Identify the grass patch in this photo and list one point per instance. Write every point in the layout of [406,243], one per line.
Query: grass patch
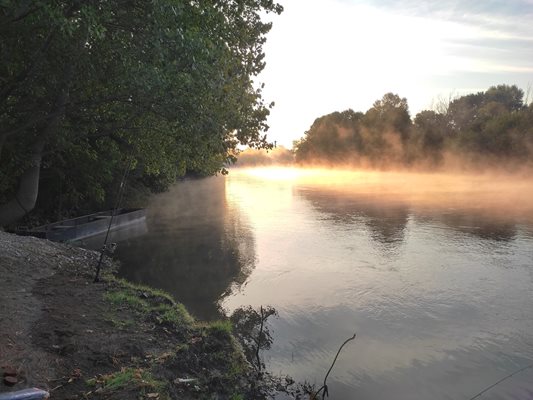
[125,297]
[237,367]
[151,303]
[181,347]
[176,316]
[209,347]
[117,321]
[128,378]
[139,288]
[223,326]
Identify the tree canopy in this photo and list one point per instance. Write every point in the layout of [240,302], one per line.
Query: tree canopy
[494,126]
[88,86]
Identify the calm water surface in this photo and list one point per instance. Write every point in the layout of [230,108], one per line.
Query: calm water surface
[434,273]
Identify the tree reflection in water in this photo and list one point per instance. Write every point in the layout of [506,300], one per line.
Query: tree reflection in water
[198,247]
[386,218]
[386,221]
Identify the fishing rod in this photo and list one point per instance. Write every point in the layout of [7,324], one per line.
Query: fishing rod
[120,196]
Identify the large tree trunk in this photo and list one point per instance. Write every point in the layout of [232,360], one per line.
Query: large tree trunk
[26,195]
[25,198]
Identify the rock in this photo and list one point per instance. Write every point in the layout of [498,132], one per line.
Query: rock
[9,371]
[10,380]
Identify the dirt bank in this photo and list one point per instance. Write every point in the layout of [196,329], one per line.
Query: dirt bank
[110,340]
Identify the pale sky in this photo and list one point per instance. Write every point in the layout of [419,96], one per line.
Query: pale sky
[331,55]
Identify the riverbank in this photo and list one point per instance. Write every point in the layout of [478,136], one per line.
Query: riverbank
[61,332]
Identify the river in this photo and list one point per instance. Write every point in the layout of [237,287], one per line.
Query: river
[433,272]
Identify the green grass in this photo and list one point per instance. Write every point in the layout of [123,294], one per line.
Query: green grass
[118,321]
[182,347]
[215,346]
[120,379]
[135,287]
[220,327]
[237,367]
[125,297]
[175,314]
[128,378]
[149,301]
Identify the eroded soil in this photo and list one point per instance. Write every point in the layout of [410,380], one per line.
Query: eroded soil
[61,332]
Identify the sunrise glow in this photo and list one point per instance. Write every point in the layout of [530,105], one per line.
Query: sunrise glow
[323,56]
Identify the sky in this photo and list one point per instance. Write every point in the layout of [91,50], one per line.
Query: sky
[330,55]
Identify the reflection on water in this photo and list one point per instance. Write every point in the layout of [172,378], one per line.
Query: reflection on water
[197,248]
[480,226]
[386,221]
[434,274]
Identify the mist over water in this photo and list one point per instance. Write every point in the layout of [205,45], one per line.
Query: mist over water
[433,271]
[197,246]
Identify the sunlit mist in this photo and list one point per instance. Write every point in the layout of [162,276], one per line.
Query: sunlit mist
[497,193]
[279,173]
[332,55]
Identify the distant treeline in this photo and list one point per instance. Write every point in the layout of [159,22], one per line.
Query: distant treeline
[494,127]
[255,157]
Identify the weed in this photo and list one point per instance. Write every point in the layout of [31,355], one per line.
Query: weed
[237,367]
[135,287]
[220,327]
[117,322]
[175,314]
[125,297]
[148,300]
[128,378]
[118,380]
[182,347]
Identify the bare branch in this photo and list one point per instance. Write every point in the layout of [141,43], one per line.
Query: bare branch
[324,388]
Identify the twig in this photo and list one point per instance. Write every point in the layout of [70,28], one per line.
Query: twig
[57,387]
[259,342]
[324,388]
[57,379]
[500,381]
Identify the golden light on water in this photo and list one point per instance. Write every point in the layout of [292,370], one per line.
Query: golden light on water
[308,175]
[274,173]
[496,193]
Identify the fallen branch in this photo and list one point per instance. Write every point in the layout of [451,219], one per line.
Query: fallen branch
[324,387]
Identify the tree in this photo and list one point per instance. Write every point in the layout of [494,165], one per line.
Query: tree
[430,132]
[463,111]
[509,96]
[166,84]
[388,125]
[484,123]
[332,136]
[391,113]
[480,128]
[469,111]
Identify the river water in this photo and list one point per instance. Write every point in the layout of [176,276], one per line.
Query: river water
[433,272]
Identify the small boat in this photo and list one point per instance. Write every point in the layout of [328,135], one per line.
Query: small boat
[86,226]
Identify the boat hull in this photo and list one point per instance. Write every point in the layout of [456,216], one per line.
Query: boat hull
[86,226]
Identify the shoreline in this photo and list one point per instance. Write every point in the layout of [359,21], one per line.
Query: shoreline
[82,340]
